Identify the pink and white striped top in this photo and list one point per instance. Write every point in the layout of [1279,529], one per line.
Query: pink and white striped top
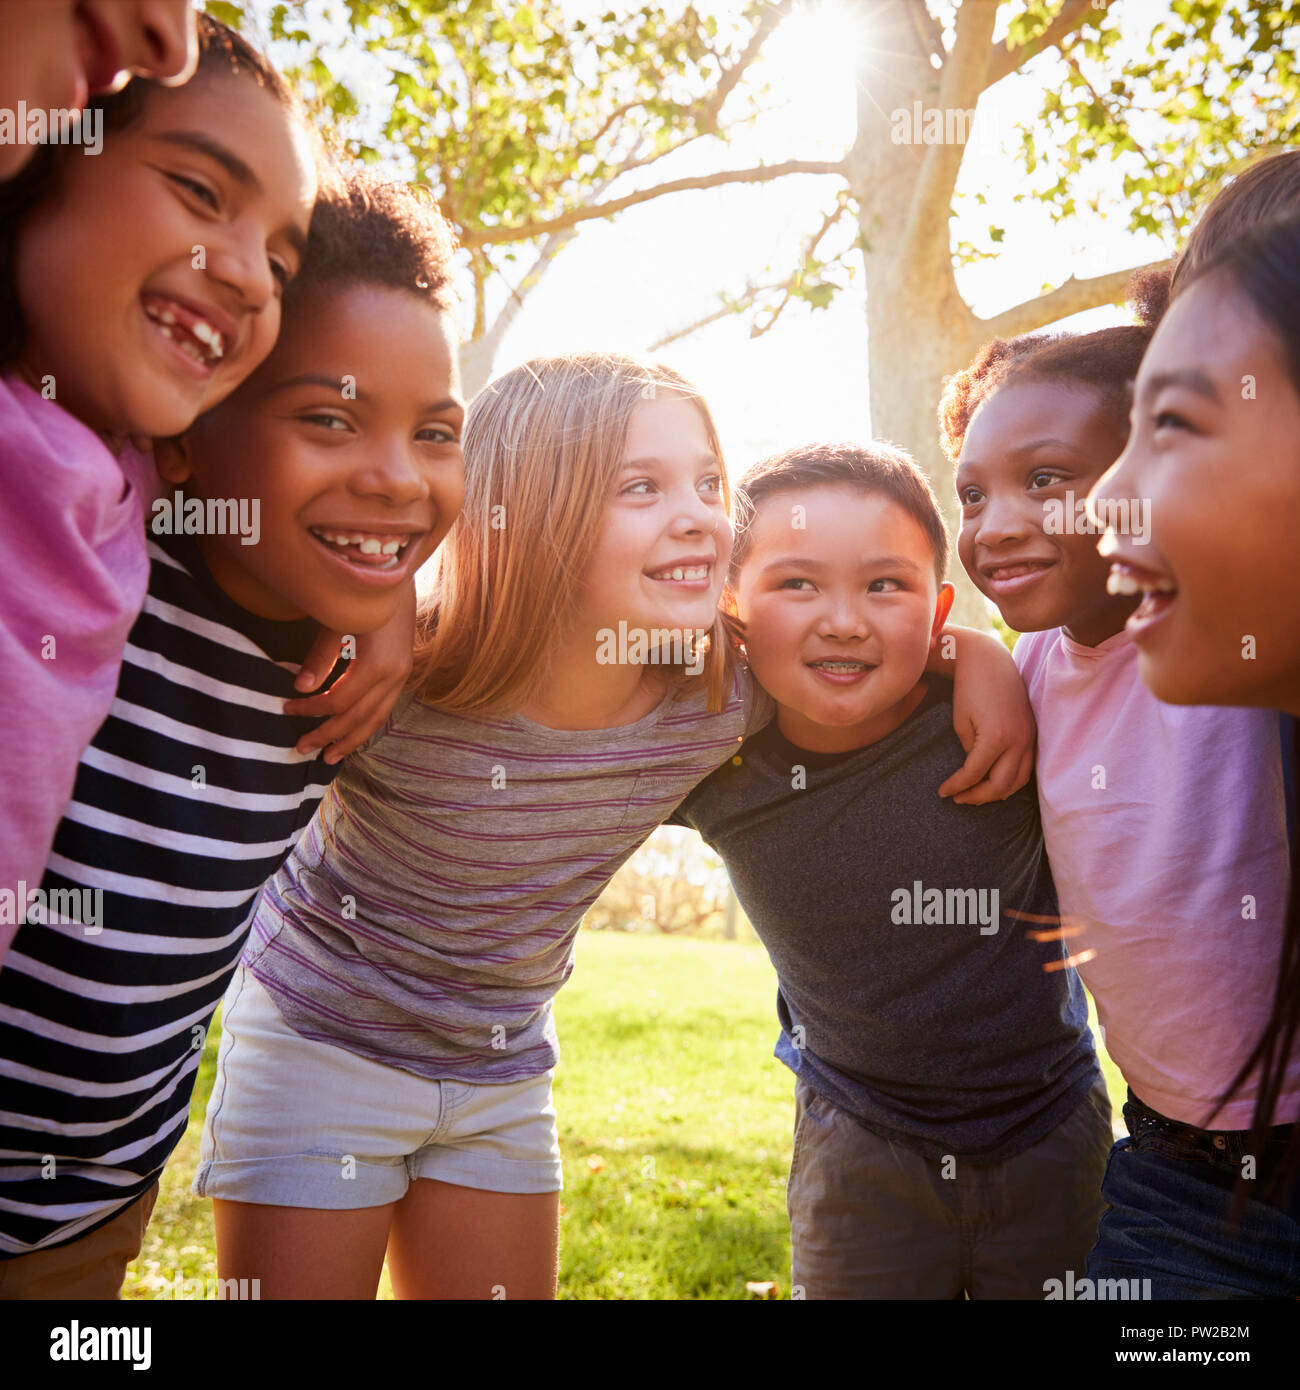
[428,914]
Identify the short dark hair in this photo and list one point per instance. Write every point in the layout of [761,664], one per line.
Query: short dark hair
[877,467]
[1106,360]
[221,51]
[1266,191]
[365,231]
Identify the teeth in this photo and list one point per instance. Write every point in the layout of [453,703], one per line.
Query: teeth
[205,333]
[840,665]
[1120,581]
[202,330]
[368,545]
[684,572]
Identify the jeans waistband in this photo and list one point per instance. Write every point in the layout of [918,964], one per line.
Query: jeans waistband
[1228,1145]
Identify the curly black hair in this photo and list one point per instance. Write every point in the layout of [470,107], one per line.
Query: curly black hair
[1106,360]
[365,231]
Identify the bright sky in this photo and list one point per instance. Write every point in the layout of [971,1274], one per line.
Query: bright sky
[624,284]
[658,267]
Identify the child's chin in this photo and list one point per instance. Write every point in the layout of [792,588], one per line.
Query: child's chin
[1030,617]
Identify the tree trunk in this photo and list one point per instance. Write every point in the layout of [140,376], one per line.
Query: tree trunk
[914,342]
[918,326]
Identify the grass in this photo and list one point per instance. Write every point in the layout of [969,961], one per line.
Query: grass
[675,1124]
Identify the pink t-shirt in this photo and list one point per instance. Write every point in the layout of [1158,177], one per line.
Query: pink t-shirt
[1166,830]
[73,572]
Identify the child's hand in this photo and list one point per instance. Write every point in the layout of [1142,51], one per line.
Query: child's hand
[992,717]
[363,697]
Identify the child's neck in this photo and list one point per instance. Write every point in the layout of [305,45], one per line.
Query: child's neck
[836,738]
[1098,625]
[581,693]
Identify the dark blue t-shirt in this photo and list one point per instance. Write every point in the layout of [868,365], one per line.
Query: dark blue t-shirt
[910,996]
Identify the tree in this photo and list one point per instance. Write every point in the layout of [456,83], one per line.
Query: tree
[527,126]
[672,885]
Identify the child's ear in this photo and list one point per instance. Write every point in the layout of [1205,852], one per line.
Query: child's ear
[172,459]
[942,607]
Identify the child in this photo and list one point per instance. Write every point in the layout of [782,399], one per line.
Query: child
[384,1078]
[951,1124]
[139,288]
[54,54]
[1165,827]
[191,793]
[1218,398]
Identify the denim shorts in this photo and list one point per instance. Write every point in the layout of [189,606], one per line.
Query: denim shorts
[296,1122]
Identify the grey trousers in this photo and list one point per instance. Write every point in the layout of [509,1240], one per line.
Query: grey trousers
[870,1218]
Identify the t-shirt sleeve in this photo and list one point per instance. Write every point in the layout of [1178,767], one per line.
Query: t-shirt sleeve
[73,551]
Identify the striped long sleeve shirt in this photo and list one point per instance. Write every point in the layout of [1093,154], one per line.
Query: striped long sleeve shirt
[186,801]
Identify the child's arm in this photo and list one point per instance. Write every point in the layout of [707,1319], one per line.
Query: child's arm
[364,695]
[991,714]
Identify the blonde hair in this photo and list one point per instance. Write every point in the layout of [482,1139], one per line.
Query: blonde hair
[543,446]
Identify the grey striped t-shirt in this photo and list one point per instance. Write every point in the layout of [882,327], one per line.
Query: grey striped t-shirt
[427,916]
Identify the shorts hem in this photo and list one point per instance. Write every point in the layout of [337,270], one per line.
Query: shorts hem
[513,1175]
[301,1180]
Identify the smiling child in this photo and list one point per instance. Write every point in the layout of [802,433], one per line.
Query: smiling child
[196,208]
[1165,827]
[951,1125]
[192,793]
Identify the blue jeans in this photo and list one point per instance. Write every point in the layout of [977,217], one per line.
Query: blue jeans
[1170,1191]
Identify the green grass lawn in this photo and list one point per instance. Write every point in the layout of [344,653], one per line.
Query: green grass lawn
[675,1124]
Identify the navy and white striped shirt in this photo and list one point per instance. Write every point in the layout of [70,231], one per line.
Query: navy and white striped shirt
[186,801]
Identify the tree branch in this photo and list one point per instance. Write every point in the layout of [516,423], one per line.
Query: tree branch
[831,218]
[927,29]
[709,109]
[763,173]
[1073,297]
[1003,61]
[752,291]
[963,79]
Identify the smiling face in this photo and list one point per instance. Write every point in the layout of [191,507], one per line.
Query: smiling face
[665,538]
[354,492]
[839,613]
[1216,447]
[55,53]
[149,278]
[1029,443]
